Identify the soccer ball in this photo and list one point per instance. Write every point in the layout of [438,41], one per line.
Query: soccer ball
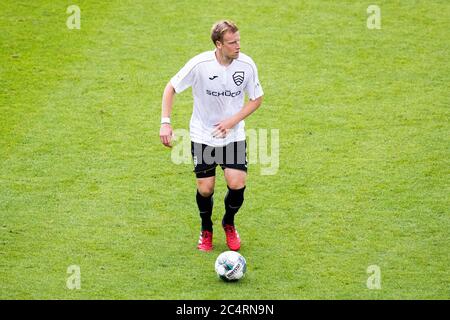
[230,266]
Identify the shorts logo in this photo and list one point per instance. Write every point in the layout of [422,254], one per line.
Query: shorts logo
[238,77]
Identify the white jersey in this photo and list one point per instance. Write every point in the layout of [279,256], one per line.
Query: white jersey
[218,94]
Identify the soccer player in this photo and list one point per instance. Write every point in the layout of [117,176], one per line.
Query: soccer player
[219,81]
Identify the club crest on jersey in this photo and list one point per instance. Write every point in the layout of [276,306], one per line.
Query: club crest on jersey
[238,77]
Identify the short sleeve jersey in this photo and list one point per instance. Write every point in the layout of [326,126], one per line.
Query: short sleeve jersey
[218,93]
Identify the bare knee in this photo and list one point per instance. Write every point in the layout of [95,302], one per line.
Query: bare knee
[235,179]
[205,186]
[236,184]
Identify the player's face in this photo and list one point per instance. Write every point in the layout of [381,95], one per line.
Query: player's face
[231,45]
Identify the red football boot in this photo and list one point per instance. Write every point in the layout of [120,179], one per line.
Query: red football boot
[233,240]
[205,241]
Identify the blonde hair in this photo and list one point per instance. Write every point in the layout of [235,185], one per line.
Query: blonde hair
[220,28]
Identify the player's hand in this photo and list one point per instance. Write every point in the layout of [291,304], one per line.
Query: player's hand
[223,128]
[165,134]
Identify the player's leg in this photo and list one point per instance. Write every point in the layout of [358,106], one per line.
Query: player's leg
[234,198]
[205,201]
[235,172]
[206,176]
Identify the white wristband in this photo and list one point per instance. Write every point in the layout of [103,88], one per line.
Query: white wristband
[165,120]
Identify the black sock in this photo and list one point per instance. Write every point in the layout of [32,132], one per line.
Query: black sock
[205,205]
[233,201]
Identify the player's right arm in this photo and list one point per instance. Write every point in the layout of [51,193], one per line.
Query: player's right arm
[180,82]
[165,132]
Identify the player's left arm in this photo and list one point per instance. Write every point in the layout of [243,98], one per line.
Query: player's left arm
[255,94]
[224,126]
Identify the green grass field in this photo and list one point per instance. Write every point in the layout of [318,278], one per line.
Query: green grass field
[363,177]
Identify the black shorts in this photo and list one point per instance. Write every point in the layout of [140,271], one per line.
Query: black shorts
[206,158]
